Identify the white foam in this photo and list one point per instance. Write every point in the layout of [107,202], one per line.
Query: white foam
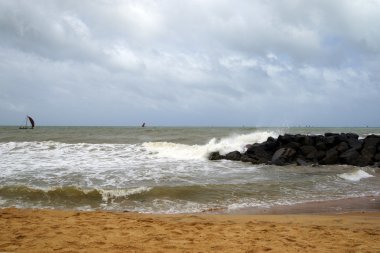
[109,195]
[355,176]
[200,152]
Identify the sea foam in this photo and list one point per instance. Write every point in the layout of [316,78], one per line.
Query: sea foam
[355,176]
[200,152]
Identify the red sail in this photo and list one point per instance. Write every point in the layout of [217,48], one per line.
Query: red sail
[31,121]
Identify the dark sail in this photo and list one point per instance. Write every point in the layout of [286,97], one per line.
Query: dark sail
[31,121]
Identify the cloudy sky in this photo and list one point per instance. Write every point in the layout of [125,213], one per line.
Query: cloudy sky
[190,63]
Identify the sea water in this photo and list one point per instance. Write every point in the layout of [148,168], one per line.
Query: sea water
[163,170]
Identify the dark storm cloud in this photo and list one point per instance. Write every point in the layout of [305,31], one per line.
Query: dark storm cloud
[190,62]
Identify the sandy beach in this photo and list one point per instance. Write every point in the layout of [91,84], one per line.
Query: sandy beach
[27,230]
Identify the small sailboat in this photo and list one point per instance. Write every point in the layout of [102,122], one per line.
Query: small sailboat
[32,124]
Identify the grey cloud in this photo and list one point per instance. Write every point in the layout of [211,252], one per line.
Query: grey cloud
[265,62]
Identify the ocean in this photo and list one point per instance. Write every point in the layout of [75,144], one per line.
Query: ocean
[164,170]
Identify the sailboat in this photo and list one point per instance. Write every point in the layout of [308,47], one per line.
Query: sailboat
[28,118]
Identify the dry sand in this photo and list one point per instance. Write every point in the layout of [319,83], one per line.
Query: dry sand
[24,230]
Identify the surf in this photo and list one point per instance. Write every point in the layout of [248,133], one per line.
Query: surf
[200,152]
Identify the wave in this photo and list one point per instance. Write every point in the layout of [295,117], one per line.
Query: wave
[355,176]
[160,149]
[61,195]
[223,145]
[76,195]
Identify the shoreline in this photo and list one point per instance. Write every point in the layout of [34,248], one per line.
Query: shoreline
[363,204]
[38,230]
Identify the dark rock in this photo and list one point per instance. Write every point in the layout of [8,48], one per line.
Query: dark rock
[342,137]
[352,136]
[320,145]
[362,161]
[377,157]
[306,150]
[313,156]
[233,156]
[260,152]
[270,146]
[331,157]
[247,159]
[283,156]
[332,140]
[310,153]
[293,145]
[320,155]
[368,153]
[342,147]
[370,146]
[303,139]
[286,138]
[349,157]
[355,143]
[215,156]
[301,162]
[374,139]
[330,148]
[309,140]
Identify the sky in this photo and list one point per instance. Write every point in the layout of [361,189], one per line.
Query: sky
[190,63]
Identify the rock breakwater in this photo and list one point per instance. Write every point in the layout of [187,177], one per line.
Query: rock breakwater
[300,149]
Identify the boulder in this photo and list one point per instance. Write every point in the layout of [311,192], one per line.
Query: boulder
[301,162]
[370,146]
[362,161]
[355,143]
[215,156]
[330,148]
[260,152]
[286,138]
[306,150]
[320,155]
[233,156]
[331,157]
[304,140]
[332,140]
[320,145]
[246,159]
[377,157]
[352,136]
[283,156]
[342,147]
[349,156]
[294,145]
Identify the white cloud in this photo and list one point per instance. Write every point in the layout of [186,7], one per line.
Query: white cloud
[265,62]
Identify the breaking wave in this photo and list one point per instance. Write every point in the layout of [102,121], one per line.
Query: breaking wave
[223,145]
[355,176]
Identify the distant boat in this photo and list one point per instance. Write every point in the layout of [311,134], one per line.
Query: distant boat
[143,125]
[32,124]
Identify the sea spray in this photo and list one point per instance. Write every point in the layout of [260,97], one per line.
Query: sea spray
[223,145]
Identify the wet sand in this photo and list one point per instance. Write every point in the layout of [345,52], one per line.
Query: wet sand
[26,230]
